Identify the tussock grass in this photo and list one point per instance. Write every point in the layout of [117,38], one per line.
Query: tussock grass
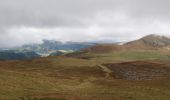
[66,78]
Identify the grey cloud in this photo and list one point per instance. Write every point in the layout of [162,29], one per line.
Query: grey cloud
[73,12]
[93,19]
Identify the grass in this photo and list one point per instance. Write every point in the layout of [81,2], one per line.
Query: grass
[66,78]
[125,56]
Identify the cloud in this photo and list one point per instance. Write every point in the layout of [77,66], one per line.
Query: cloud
[31,21]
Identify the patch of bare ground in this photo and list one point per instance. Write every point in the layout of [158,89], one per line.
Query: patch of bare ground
[140,70]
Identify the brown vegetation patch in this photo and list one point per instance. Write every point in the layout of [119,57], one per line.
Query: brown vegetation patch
[103,48]
[140,70]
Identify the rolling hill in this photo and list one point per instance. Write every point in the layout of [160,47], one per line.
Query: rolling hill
[154,41]
[65,78]
[151,47]
[100,72]
[149,42]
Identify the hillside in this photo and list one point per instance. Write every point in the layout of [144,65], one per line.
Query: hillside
[150,43]
[100,72]
[135,50]
[139,70]
[102,48]
[152,40]
[64,78]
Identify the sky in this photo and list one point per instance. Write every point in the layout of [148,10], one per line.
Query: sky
[31,21]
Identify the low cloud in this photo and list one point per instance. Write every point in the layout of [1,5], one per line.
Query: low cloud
[31,21]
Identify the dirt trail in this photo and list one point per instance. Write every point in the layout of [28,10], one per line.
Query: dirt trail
[106,70]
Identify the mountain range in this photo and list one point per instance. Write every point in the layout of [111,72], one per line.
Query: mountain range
[47,48]
[57,48]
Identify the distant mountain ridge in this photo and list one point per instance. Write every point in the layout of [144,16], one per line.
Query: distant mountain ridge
[47,48]
[51,46]
[57,48]
[17,55]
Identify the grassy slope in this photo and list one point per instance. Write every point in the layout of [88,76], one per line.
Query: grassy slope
[78,79]
[125,56]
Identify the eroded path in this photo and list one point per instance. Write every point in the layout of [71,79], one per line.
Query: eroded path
[106,70]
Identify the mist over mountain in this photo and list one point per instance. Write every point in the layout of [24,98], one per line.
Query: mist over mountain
[57,48]
[47,48]
[50,46]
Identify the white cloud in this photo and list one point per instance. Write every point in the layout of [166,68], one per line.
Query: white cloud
[31,21]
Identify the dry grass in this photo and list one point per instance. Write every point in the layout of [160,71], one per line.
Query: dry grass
[66,78]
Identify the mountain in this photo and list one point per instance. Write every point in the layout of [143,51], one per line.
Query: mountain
[102,78]
[57,48]
[51,46]
[151,41]
[97,74]
[47,48]
[17,55]
[148,47]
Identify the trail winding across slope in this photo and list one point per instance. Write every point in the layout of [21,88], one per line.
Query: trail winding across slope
[106,70]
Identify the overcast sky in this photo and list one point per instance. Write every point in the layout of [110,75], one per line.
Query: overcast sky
[31,21]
